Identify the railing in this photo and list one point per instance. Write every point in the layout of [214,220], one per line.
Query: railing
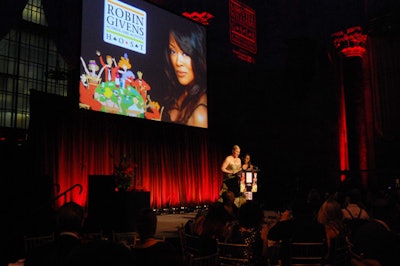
[64,194]
[57,187]
[48,204]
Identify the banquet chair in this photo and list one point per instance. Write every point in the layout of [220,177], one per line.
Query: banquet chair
[191,243]
[207,260]
[36,241]
[231,254]
[307,253]
[190,246]
[181,236]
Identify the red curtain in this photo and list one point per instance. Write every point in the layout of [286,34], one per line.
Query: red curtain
[179,165]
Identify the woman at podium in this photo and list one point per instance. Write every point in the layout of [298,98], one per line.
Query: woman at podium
[247,166]
[232,169]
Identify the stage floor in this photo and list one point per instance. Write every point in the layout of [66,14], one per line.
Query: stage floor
[167,224]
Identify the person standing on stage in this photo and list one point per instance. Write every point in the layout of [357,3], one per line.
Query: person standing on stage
[231,168]
[247,166]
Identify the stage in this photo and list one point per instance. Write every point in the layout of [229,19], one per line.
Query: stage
[167,224]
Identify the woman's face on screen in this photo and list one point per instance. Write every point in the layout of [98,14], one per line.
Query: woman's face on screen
[181,62]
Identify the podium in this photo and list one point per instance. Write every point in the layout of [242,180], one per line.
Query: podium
[248,183]
[109,210]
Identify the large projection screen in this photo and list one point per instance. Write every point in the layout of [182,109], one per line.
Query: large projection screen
[142,61]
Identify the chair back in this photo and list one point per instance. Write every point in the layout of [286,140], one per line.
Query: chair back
[190,245]
[36,241]
[207,260]
[307,253]
[341,252]
[232,254]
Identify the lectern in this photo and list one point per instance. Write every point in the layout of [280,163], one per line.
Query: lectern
[248,183]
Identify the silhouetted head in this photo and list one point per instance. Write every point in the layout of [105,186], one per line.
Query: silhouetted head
[70,217]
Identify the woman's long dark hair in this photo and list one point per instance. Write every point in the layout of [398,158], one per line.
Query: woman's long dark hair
[191,40]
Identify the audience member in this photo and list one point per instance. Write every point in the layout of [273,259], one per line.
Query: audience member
[314,201]
[195,226]
[331,216]
[228,209]
[298,223]
[279,237]
[378,240]
[354,214]
[149,250]
[305,211]
[215,223]
[69,224]
[282,230]
[250,230]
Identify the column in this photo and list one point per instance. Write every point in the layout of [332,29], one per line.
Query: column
[350,45]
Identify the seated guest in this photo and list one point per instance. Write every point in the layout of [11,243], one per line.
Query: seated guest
[69,224]
[283,229]
[195,226]
[378,240]
[149,250]
[297,224]
[217,223]
[305,210]
[212,225]
[354,215]
[220,215]
[330,215]
[228,209]
[279,237]
[249,230]
[354,208]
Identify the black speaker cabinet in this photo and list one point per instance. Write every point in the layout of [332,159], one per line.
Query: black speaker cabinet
[110,210]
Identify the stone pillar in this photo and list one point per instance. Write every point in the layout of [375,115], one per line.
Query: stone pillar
[350,45]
